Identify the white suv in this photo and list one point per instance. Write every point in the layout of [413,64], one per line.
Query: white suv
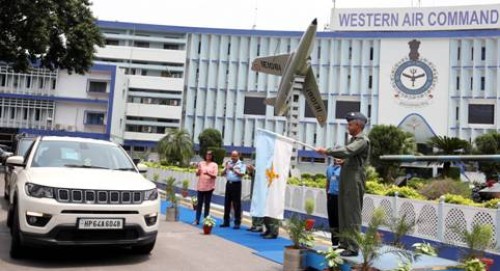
[76,191]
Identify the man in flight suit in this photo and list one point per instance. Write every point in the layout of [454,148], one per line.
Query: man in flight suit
[352,178]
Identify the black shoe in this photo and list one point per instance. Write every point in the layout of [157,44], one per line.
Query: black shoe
[257,229]
[270,236]
[236,227]
[349,253]
[251,228]
[265,233]
[224,225]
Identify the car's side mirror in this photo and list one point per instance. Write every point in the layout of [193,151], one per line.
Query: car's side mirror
[16,161]
[142,168]
[136,161]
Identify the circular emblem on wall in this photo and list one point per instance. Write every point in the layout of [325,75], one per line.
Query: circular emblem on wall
[413,78]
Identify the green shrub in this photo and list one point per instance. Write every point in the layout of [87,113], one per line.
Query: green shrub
[375,188]
[309,206]
[305,176]
[417,183]
[319,176]
[293,181]
[458,199]
[454,173]
[371,174]
[492,203]
[404,192]
[439,187]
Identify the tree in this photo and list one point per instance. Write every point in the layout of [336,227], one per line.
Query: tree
[58,33]
[389,139]
[176,147]
[489,144]
[448,146]
[209,138]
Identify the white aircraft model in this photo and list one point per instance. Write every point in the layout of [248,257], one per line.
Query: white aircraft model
[289,66]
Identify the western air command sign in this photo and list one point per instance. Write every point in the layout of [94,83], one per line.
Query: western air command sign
[416,19]
[413,78]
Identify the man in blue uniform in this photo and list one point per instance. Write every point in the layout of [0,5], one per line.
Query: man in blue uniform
[234,170]
[332,198]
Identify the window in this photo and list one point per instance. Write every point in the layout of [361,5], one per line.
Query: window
[371,53]
[457,113]
[471,83]
[370,82]
[167,46]
[481,113]
[483,83]
[369,111]
[97,86]
[254,106]
[37,114]
[12,112]
[229,48]
[472,53]
[94,118]
[40,82]
[53,83]
[483,53]
[308,113]
[25,113]
[319,52]
[199,47]
[28,82]
[258,49]
[458,83]
[350,53]
[3,80]
[458,53]
[344,107]
[112,42]
[141,44]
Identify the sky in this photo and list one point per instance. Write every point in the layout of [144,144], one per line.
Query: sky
[246,14]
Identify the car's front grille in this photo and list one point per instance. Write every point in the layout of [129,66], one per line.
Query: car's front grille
[98,196]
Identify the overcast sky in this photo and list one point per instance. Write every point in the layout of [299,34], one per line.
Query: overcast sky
[244,14]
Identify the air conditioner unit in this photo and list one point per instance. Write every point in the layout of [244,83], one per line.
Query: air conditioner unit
[57,126]
[70,128]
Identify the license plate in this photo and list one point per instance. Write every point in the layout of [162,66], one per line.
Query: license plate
[100,223]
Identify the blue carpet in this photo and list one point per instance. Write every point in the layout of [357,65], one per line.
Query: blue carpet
[270,249]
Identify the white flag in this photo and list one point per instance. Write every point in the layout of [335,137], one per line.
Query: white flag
[272,165]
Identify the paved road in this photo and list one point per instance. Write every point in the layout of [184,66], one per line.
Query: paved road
[179,247]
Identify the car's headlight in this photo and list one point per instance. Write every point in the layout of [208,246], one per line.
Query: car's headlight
[151,194]
[39,191]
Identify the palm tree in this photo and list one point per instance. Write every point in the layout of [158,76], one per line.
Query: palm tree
[176,146]
[449,146]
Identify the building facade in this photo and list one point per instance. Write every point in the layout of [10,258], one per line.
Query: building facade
[434,81]
[428,71]
[44,102]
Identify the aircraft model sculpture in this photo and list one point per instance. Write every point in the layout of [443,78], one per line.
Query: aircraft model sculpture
[290,66]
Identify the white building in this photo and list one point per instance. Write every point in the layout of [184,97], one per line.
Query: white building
[430,71]
[44,102]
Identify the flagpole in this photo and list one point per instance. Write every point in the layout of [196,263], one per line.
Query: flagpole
[288,139]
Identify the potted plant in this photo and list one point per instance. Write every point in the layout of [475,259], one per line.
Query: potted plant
[172,209]
[473,264]
[424,249]
[332,258]
[369,244]
[208,224]
[399,228]
[477,241]
[156,177]
[302,239]
[194,202]
[185,185]
[309,206]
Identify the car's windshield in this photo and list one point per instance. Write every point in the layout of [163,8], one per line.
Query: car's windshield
[24,145]
[80,154]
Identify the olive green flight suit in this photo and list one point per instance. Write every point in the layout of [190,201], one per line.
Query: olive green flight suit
[352,184]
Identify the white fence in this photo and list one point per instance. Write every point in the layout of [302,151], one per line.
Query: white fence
[434,220]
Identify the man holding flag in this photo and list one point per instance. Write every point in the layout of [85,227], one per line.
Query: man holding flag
[273,153]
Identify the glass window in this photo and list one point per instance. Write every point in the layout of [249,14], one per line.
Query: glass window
[344,107]
[97,86]
[94,118]
[481,113]
[254,106]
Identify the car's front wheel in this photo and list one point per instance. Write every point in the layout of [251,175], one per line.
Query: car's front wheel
[16,247]
[143,249]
